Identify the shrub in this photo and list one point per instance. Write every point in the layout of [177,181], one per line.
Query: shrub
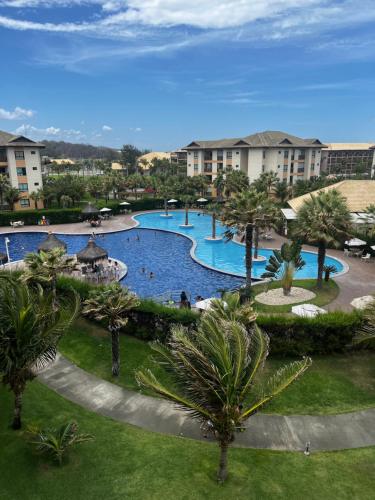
[32,217]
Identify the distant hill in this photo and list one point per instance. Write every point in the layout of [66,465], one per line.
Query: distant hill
[61,149]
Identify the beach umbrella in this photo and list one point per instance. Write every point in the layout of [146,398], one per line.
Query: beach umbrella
[362,302]
[373,247]
[202,200]
[105,209]
[308,310]
[91,253]
[50,243]
[124,203]
[3,258]
[90,209]
[206,304]
[355,242]
[172,200]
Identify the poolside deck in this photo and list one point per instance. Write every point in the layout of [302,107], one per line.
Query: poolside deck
[358,281]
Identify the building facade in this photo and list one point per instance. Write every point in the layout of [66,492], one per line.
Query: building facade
[20,161]
[290,157]
[349,159]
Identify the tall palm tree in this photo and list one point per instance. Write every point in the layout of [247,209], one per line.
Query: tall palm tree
[30,329]
[219,184]
[235,182]
[4,186]
[282,192]
[240,214]
[284,263]
[111,305]
[217,372]
[36,196]
[214,209]
[267,217]
[323,220]
[12,195]
[43,268]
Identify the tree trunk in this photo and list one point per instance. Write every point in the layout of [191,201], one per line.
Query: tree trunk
[222,472]
[115,352]
[256,242]
[248,252]
[166,206]
[17,410]
[321,259]
[186,214]
[213,227]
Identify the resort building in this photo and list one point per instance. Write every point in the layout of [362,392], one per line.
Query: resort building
[348,159]
[145,161]
[290,157]
[359,195]
[20,161]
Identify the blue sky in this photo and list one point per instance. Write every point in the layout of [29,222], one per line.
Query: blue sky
[160,73]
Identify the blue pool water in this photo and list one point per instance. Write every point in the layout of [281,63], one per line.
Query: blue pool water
[225,256]
[165,254]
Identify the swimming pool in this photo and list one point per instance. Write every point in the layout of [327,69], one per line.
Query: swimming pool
[224,256]
[165,254]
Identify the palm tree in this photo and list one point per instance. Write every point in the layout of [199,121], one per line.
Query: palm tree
[235,182]
[266,182]
[111,306]
[367,331]
[214,209]
[36,196]
[43,268]
[4,186]
[284,263]
[323,220]
[219,184]
[241,214]
[217,373]
[30,329]
[12,195]
[282,192]
[267,217]
[165,191]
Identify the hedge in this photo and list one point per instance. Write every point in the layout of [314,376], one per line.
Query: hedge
[289,335]
[67,215]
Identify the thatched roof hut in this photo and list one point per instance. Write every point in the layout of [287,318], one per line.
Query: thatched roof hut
[92,253]
[50,243]
[3,258]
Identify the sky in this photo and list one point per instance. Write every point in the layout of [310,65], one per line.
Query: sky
[161,73]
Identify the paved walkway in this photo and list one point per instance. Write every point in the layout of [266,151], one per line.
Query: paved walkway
[276,432]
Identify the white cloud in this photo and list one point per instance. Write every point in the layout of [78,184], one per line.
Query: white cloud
[136,129]
[106,128]
[49,132]
[17,114]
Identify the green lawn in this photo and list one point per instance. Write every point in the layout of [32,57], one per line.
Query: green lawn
[333,384]
[324,296]
[128,463]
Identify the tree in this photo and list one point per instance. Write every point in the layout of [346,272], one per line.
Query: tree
[366,333]
[235,182]
[266,182]
[43,268]
[282,192]
[323,220]
[240,215]
[266,217]
[36,196]
[284,263]
[111,305]
[12,196]
[201,183]
[217,373]
[129,155]
[4,186]
[30,329]
[214,209]
[219,184]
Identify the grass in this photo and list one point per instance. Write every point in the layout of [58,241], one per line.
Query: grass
[323,297]
[126,462]
[333,384]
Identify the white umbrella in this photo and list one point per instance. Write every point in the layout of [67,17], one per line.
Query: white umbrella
[202,200]
[307,310]
[355,242]
[123,203]
[172,200]
[105,209]
[362,302]
[373,247]
[206,304]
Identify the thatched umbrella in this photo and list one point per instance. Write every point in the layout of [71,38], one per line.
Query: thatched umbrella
[90,210]
[3,258]
[92,253]
[50,243]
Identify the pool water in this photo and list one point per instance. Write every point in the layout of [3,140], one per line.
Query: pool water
[224,256]
[165,254]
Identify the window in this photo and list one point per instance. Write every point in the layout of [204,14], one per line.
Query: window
[3,155]
[24,202]
[36,183]
[229,155]
[237,152]
[189,164]
[21,171]
[195,167]
[23,187]
[301,169]
[220,155]
[312,167]
[219,167]
[286,153]
[195,154]
[291,180]
[190,153]
[237,166]
[208,155]
[279,152]
[313,153]
[208,167]
[35,168]
[19,155]
[33,152]
[285,169]
[263,168]
[264,154]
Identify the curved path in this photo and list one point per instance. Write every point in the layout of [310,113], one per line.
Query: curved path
[276,432]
